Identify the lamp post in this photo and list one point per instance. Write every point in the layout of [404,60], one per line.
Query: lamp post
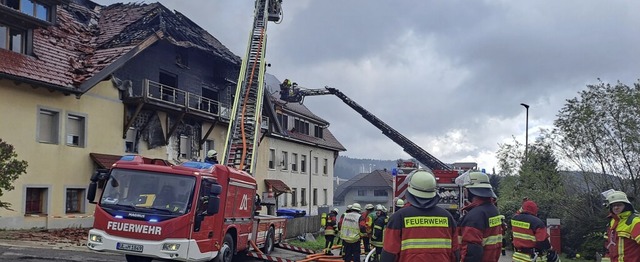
[526,137]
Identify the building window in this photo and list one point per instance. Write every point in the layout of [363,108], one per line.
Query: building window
[301,126]
[36,201]
[284,121]
[48,126]
[303,163]
[303,196]
[75,130]
[325,167]
[315,165]
[294,197]
[130,145]
[317,131]
[185,147]
[30,7]
[13,39]
[294,162]
[326,196]
[380,193]
[272,159]
[285,199]
[315,197]
[75,197]
[285,160]
[362,192]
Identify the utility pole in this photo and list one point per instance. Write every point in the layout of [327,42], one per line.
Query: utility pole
[526,137]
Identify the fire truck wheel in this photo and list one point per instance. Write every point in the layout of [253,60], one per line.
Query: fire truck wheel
[132,258]
[227,250]
[269,243]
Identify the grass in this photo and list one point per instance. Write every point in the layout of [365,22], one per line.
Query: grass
[313,245]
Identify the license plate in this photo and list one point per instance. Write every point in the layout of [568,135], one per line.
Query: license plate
[129,247]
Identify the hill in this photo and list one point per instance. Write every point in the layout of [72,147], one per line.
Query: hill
[347,167]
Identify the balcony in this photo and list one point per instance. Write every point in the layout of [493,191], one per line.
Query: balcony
[180,99]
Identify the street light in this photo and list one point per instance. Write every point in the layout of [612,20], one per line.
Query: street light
[526,137]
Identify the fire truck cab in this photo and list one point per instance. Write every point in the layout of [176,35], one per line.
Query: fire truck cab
[191,212]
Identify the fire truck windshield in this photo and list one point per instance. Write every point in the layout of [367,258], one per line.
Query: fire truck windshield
[146,191]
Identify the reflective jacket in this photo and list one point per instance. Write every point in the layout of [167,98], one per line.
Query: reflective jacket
[529,232]
[350,230]
[420,234]
[378,230]
[623,235]
[330,224]
[480,232]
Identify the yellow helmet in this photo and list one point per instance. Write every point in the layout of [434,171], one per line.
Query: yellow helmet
[478,180]
[617,197]
[422,184]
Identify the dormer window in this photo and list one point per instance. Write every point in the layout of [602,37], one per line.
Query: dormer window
[30,7]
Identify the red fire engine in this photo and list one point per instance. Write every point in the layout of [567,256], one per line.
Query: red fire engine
[194,211]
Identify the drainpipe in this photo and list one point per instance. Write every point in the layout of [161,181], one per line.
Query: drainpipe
[310,181]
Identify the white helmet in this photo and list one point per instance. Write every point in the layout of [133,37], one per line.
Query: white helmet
[399,202]
[349,207]
[336,210]
[422,184]
[368,207]
[356,207]
[212,153]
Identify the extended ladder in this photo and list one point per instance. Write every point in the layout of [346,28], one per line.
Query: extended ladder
[244,123]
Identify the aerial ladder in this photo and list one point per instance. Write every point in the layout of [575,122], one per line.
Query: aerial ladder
[451,196]
[244,124]
[297,94]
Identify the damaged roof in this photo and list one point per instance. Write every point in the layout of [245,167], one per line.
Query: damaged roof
[82,47]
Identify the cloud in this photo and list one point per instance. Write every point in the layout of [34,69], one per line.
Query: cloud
[450,75]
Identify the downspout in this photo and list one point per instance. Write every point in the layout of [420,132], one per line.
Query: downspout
[310,181]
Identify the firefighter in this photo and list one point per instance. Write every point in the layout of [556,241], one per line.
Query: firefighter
[350,232]
[330,227]
[285,88]
[340,239]
[480,229]
[530,234]
[368,216]
[378,229]
[623,232]
[399,204]
[421,231]
[212,157]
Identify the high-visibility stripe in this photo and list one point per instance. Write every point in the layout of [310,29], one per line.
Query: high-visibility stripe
[524,236]
[521,257]
[492,240]
[425,243]
[377,227]
[620,249]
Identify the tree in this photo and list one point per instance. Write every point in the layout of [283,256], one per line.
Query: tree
[10,169]
[599,132]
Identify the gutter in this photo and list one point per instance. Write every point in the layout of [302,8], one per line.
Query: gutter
[65,90]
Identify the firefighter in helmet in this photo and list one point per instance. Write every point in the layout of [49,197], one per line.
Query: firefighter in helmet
[399,203]
[377,234]
[351,230]
[212,157]
[422,231]
[530,234]
[623,232]
[369,216]
[330,227]
[480,229]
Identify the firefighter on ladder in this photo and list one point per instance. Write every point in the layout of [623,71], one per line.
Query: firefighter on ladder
[623,232]
[530,236]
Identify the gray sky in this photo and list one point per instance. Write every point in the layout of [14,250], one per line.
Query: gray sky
[449,75]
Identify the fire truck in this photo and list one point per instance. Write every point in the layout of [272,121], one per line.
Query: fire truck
[451,194]
[150,209]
